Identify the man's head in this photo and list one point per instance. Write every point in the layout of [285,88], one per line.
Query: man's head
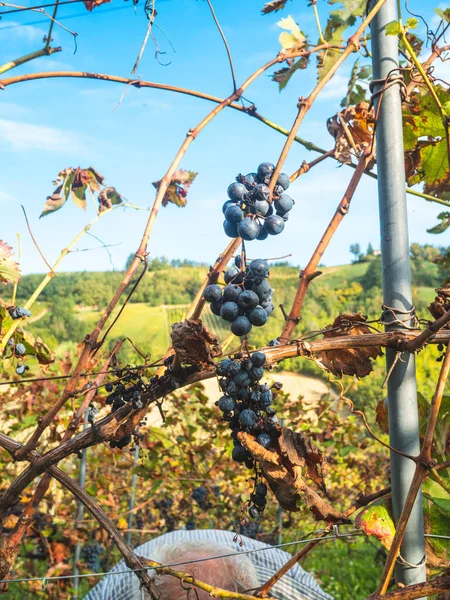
[234,573]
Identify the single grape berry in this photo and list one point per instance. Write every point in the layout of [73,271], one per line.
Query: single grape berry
[239,454]
[241,326]
[263,290]
[258,359]
[283,180]
[261,192]
[248,418]
[226,404]
[242,379]
[259,268]
[20,369]
[222,367]
[248,300]
[284,204]
[238,261]
[234,368]
[231,292]
[258,316]
[250,180]
[269,308]
[230,229]
[236,191]
[20,349]
[256,373]
[264,440]
[215,307]
[261,489]
[109,387]
[263,235]
[285,217]
[253,512]
[227,204]
[274,343]
[274,225]
[260,207]
[229,311]
[234,214]
[212,293]
[265,171]
[231,274]
[248,229]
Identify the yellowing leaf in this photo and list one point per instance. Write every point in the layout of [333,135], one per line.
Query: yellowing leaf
[293,39]
[122,523]
[9,269]
[376,520]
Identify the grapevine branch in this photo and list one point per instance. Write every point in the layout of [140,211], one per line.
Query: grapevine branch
[418,590]
[139,83]
[309,272]
[27,57]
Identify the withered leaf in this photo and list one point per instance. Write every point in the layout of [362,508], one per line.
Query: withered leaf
[273,6]
[72,183]
[282,76]
[441,303]
[382,416]
[302,452]
[360,127]
[194,344]
[177,191]
[279,479]
[349,361]
[9,268]
[91,4]
[108,198]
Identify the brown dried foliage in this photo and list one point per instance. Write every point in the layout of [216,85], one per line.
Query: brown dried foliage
[194,343]
[349,361]
[360,127]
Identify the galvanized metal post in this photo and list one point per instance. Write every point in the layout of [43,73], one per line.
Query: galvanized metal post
[397,295]
[80,509]
[132,495]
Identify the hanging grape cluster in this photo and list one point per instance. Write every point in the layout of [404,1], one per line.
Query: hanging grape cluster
[246,300]
[249,214]
[247,406]
[128,388]
[91,555]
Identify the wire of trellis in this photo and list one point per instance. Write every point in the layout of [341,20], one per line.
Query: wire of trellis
[46,580]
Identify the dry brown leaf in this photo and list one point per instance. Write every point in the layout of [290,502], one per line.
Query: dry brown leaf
[349,361]
[194,343]
[382,416]
[91,4]
[302,452]
[441,303]
[280,481]
[360,126]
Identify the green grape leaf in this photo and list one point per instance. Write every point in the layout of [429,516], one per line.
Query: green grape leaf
[9,268]
[444,14]
[411,23]
[444,217]
[273,6]
[436,505]
[425,142]
[376,520]
[177,191]
[294,40]
[339,20]
[392,28]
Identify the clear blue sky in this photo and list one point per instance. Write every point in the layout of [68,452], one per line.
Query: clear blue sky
[46,126]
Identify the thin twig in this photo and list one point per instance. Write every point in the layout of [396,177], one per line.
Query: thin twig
[34,239]
[147,35]
[418,342]
[230,60]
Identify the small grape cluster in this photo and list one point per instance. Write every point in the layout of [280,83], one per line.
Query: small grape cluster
[91,555]
[249,214]
[246,300]
[128,388]
[18,312]
[247,406]
[19,351]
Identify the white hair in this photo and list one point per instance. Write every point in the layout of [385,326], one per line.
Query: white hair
[233,573]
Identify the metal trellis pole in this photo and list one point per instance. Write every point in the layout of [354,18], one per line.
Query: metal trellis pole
[132,495]
[80,509]
[397,295]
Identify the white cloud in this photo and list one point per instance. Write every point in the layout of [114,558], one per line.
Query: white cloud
[27,136]
[335,89]
[19,32]
[5,197]
[11,109]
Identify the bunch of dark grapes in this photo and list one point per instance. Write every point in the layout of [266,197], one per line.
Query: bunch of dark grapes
[91,555]
[18,351]
[200,495]
[246,300]
[247,406]
[18,312]
[249,214]
[128,389]
[164,507]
